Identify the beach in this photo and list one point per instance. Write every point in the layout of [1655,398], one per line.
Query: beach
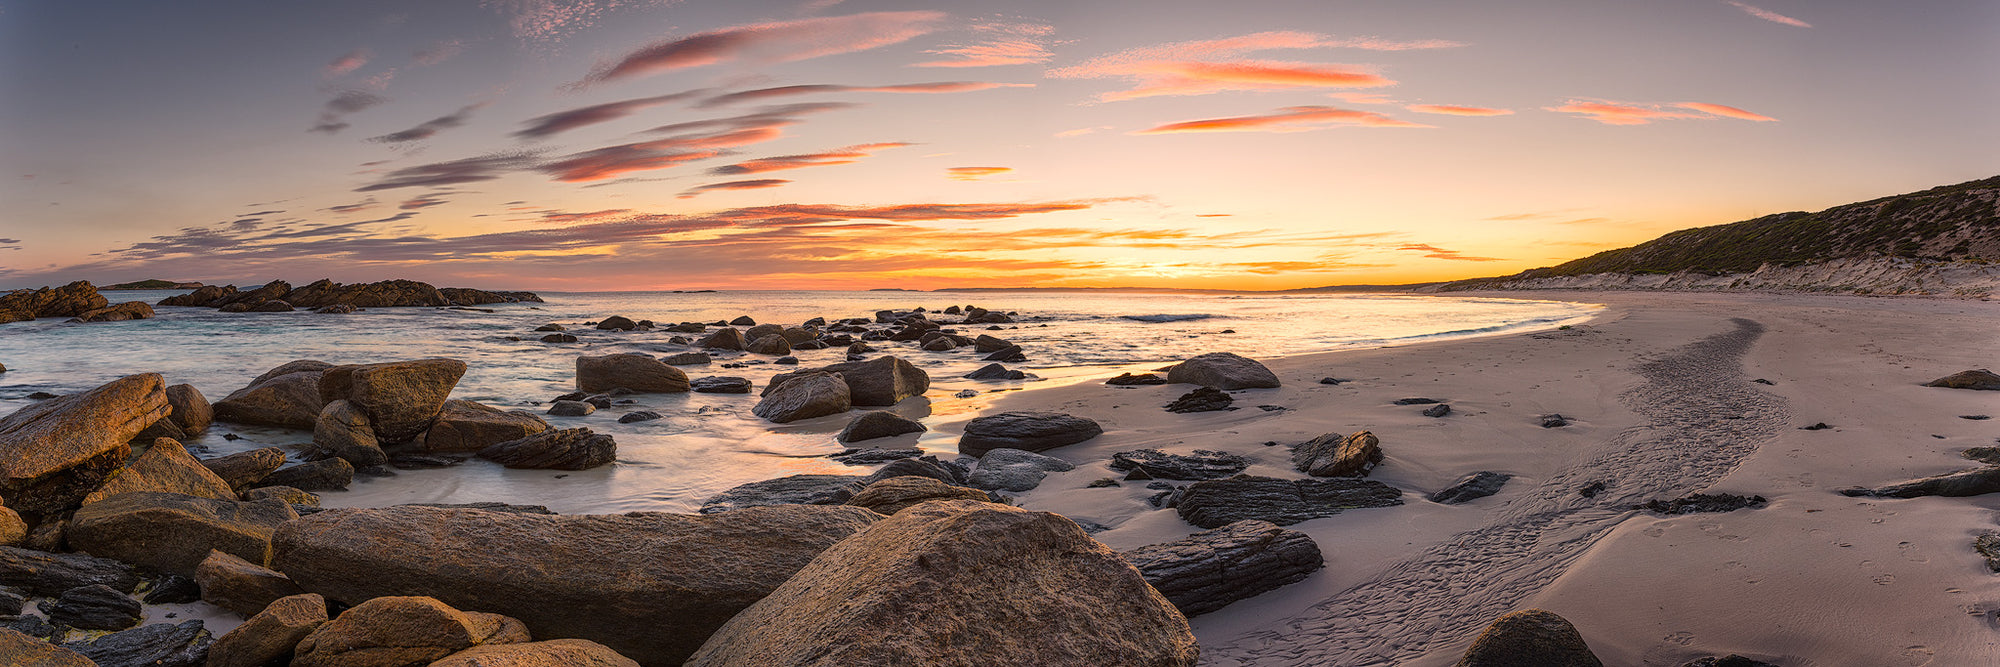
[1659,390]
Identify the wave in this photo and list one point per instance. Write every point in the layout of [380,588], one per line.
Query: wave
[1167,317]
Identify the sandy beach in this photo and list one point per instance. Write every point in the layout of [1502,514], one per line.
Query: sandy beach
[1659,389]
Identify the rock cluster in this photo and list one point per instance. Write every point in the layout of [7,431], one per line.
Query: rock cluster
[69,300]
[324,293]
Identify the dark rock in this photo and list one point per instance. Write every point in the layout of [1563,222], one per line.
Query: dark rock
[877,424]
[272,306]
[49,574]
[1987,545]
[1014,470]
[36,626]
[571,409]
[1334,455]
[687,359]
[240,585]
[636,372]
[1591,490]
[1977,481]
[1223,370]
[559,338]
[1529,638]
[1701,503]
[1202,464]
[790,490]
[723,339]
[985,344]
[1553,421]
[881,381]
[996,372]
[1030,431]
[721,384]
[337,309]
[285,396]
[489,506]
[771,344]
[156,645]
[11,602]
[1989,455]
[1974,379]
[1204,399]
[1820,426]
[869,457]
[54,453]
[638,416]
[1330,380]
[172,589]
[1010,354]
[94,607]
[803,395]
[1438,410]
[169,532]
[551,327]
[324,475]
[1209,570]
[743,321]
[625,598]
[565,449]
[1471,487]
[1128,379]
[270,635]
[781,361]
[1762,381]
[896,494]
[1731,660]
[1417,401]
[615,323]
[1219,502]
[1102,483]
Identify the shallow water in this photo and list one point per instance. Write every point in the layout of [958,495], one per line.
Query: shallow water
[707,442]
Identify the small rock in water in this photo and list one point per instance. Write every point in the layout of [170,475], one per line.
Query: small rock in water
[721,384]
[1128,379]
[966,393]
[786,361]
[1417,401]
[571,409]
[1701,502]
[1272,408]
[638,416]
[231,437]
[1438,410]
[1554,421]
[42,396]
[687,359]
[1203,399]
[1821,426]
[873,456]
[559,338]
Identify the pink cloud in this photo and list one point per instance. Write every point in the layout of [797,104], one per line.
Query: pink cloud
[999,44]
[439,52]
[346,64]
[1435,252]
[549,125]
[1455,110]
[974,173]
[1288,119]
[1728,111]
[1640,113]
[773,42]
[754,184]
[1769,15]
[807,89]
[848,155]
[1211,66]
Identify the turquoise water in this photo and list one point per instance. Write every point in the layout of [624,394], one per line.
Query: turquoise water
[707,442]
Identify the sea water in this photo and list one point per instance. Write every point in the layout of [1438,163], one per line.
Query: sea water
[707,443]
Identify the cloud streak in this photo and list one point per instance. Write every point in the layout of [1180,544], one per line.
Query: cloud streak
[1456,110]
[1212,66]
[751,184]
[974,173]
[542,127]
[1769,15]
[1288,119]
[810,89]
[848,155]
[999,44]
[1435,252]
[1610,112]
[429,128]
[346,64]
[774,42]
[343,103]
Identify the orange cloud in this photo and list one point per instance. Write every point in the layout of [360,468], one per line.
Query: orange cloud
[1641,113]
[1288,119]
[754,184]
[425,201]
[775,42]
[974,173]
[1769,15]
[692,141]
[1211,66]
[807,89]
[848,155]
[1455,110]
[1727,111]
[1435,252]
[1004,44]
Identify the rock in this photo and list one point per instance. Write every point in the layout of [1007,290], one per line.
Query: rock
[1331,380]
[1977,481]
[468,426]
[743,321]
[401,398]
[49,574]
[551,327]
[804,395]
[285,396]
[17,648]
[288,494]
[1974,379]
[559,338]
[332,474]
[565,449]
[896,494]
[1208,570]
[552,653]
[858,348]
[190,410]
[13,529]
[687,359]
[1438,410]
[939,344]
[1553,421]
[336,309]
[996,372]
[1202,464]
[722,384]
[1010,354]
[617,323]
[1987,545]
[55,452]
[1731,660]
[1223,370]
[240,585]
[878,424]
[172,589]
[571,409]
[1591,490]
[1205,399]
[343,430]
[67,301]
[882,380]
[874,456]
[625,598]
[984,344]
[636,372]
[401,631]
[246,468]
[1471,487]
[723,339]
[173,533]
[156,645]
[771,344]
[895,594]
[1988,455]
[34,626]
[1219,502]
[1014,470]
[1701,503]
[270,635]
[1332,455]
[789,490]
[94,607]
[272,306]
[1529,638]
[11,602]
[165,466]
[130,310]
[1030,431]
[1128,379]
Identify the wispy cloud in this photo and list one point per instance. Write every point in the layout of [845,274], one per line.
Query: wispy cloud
[425,201]
[1435,252]
[691,141]
[438,52]
[346,63]
[998,43]
[429,128]
[467,170]
[1212,66]
[1725,111]
[343,103]
[1288,119]
[352,208]
[810,89]
[1769,15]
[752,184]
[848,155]
[1456,110]
[548,21]
[775,42]
[974,173]
[1611,112]
[542,127]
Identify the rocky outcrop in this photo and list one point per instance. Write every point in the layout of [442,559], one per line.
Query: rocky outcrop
[1471,487]
[1981,379]
[1334,455]
[1155,464]
[721,384]
[552,653]
[882,597]
[1220,502]
[49,574]
[330,474]
[158,645]
[630,371]
[240,585]
[55,452]
[1223,370]
[896,494]
[323,293]
[1202,399]
[270,635]
[1030,431]
[173,533]
[654,587]
[878,424]
[20,649]
[130,310]
[1014,470]
[1529,638]
[565,449]
[165,466]
[343,430]
[882,381]
[400,398]
[468,426]
[402,631]
[243,469]
[285,396]
[1974,482]
[67,301]
[1209,570]
[804,395]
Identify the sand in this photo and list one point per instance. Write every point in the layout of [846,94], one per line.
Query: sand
[1659,387]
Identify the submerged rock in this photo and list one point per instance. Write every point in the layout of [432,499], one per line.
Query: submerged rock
[1529,638]
[1219,502]
[1029,431]
[1209,570]
[875,455]
[1014,470]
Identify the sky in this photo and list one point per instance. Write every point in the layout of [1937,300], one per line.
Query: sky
[857,144]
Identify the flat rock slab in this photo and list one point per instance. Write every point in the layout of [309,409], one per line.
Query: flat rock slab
[158,645]
[1471,487]
[1029,431]
[170,532]
[1204,399]
[1702,503]
[54,452]
[1216,503]
[1974,482]
[1202,464]
[1209,570]
[1014,470]
[49,574]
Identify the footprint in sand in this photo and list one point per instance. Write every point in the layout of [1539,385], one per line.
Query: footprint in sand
[1657,529]
[1911,553]
[1683,638]
[1884,579]
[1917,656]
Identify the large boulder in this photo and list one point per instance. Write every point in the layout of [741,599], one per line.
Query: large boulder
[285,396]
[170,532]
[636,372]
[165,466]
[22,650]
[1208,570]
[883,380]
[1030,431]
[1014,470]
[1223,370]
[330,474]
[650,585]
[130,310]
[723,339]
[771,344]
[551,653]
[565,449]
[960,583]
[401,631]
[1529,638]
[49,574]
[878,424]
[240,585]
[344,430]
[55,452]
[804,395]
[1220,502]
[1972,379]
[270,635]
[67,301]
[1334,455]
[468,426]
[896,494]
[191,411]
[401,398]
[243,469]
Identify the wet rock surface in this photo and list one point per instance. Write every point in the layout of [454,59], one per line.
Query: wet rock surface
[1209,570]
[1216,503]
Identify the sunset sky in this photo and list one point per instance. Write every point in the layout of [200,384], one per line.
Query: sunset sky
[830,144]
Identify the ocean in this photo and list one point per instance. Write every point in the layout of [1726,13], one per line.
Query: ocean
[707,442]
